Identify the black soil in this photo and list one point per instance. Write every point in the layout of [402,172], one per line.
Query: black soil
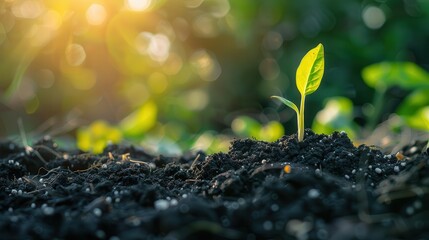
[321,188]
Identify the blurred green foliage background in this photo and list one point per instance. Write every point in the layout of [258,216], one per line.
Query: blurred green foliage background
[192,73]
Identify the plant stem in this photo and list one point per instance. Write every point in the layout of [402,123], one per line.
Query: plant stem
[301,120]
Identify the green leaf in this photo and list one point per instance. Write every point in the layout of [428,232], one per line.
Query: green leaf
[415,110]
[310,71]
[95,137]
[406,75]
[271,131]
[140,121]
[287,103]
[337,114]
[245,126]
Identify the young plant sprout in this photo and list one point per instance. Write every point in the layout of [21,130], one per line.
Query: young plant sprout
[308,77]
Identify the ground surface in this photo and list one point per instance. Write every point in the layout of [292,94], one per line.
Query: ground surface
[321,188]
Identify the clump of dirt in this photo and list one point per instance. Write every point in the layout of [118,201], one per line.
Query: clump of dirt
[321,188]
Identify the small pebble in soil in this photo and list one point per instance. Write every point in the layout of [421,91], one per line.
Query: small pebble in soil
[14,191]
[347,176]
[264,161]
[318,172]
[399,156]
[313,193]
[97,212]
[409,210]
[161,204]
[353,171]
[413,150]
[48,210]
[378,170]
[108,199]
[403,164]
[396,169]
[10,209]
[173,202]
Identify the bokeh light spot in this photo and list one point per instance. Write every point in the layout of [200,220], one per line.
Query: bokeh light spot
[196,100]
[75,54]
[96,14]
[52,20]
[206,65]
[27,9]
[142,42]
[138,5]
[156,46]
[205,26]
[373,17]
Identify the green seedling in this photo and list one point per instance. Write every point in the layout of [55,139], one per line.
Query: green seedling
[308,77]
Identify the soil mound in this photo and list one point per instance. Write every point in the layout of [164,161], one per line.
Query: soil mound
[321,188]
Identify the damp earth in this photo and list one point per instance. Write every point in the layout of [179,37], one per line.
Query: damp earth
[324,187]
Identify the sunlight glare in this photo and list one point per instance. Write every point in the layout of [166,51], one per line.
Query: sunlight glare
[138,5]
[96,14]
